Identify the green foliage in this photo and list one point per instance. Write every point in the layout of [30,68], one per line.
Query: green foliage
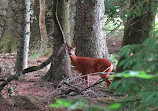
[155,31]
[145,56]
[138,74]
[140,94]
[112,25]
[115,15]
[68,103]
[34,55]
[139,88]
[113,58]
[116,7]
[8,45]
[110,8]
[84,104]
[114,106]
[141,7]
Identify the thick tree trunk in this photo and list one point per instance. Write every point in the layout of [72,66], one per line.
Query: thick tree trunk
[19,17]
[88,32]
[60,68]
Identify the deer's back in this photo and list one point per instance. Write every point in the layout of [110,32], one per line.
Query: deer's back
[87,65]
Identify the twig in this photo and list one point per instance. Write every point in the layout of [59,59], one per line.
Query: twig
[90,86]
[71,86]
[69,91]
[75,89]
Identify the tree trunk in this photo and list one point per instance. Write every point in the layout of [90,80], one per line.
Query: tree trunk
[42,26]
[19,18]
[5,22]
[27,33]
[60,68]
[35,30]
[88,32]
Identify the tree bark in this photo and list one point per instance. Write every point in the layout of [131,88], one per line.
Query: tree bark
[19,17]
[60,68]
[42,26]
[88,32]
[27,33]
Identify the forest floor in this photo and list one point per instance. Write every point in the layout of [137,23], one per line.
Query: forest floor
[31,93]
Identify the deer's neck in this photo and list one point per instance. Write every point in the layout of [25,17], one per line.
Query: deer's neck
[73,58]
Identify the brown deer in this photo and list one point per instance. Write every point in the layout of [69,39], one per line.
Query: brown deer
[86,65]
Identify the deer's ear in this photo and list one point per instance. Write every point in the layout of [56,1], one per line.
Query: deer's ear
[74,45]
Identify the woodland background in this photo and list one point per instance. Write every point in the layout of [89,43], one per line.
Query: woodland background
[36,72]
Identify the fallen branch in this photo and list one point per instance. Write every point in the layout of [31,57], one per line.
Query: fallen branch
[77,90]
[98,82]
[32,68]
[71,86]
[69,91]
[9,79]
[42,65]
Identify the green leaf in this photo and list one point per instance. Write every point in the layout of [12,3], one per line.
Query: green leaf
[54,105]
[60,103]
[114,106]
[68,103]
[139,74]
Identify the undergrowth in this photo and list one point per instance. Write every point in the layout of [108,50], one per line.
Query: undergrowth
[8,45]
[141,92]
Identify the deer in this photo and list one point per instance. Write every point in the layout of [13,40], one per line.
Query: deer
[86,65]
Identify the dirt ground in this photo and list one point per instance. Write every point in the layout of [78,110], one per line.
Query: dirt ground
[31,93]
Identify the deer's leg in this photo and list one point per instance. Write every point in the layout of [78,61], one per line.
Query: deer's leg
[86,79]
[103,76]
[108,82]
